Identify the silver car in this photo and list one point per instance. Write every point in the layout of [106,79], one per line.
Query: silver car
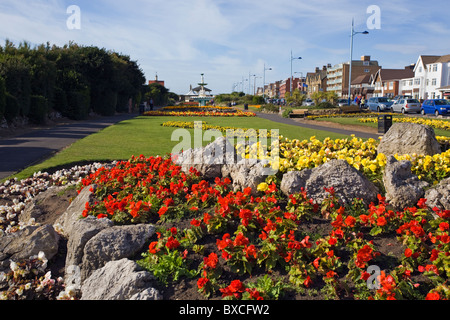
[406,106]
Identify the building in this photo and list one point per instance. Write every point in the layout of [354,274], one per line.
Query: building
[386,82]
[338,75]
[361,86]
[317,81]
[156,81]
[285,86]
[431,79]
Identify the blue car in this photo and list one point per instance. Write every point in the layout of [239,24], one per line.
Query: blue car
[436,106]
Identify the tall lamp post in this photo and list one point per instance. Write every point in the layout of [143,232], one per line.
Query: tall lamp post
[264,81]
[292,59]
[351,59]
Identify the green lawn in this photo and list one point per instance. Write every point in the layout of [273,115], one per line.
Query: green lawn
[145,135]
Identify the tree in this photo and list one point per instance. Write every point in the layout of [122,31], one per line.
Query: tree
[296,99]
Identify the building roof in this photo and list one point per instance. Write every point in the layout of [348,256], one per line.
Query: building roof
[199,88]
[364,78]
[443,59]
[429,59]
[395,74]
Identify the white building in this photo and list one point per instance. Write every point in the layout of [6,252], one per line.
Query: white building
[431,78]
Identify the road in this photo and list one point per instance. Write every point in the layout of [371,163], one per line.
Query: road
[20,152]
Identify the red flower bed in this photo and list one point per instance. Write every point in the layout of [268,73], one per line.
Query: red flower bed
[237,246]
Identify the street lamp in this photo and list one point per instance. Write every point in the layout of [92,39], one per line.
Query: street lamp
[249,79]
[292,59]
[351,59]
[264,81]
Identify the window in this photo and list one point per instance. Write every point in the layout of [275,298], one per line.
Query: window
[420,69]
[417,81]
[365,63]
[433,82]
[428,82]
[366,70]
[434,67]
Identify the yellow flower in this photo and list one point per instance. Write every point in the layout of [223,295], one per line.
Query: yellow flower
[262,186]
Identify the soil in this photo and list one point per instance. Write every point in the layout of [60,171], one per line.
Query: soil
[330,124]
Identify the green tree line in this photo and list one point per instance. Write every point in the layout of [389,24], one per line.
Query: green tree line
[73,80]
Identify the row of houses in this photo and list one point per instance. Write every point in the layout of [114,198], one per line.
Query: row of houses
[428,78]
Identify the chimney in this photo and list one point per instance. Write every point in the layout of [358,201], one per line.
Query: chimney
[317,69]
[329,66]
[324,68]
[365,58]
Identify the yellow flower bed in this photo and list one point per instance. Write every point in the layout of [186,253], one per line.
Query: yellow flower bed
[239,132]
[437,124]
[298,155]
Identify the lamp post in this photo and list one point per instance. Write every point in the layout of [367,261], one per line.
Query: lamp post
[292,59]
[351,59]
[249,83]
[264,81]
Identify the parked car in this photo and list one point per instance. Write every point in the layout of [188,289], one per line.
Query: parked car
[379,104]
[406,106]
[308,103]
[342,102]
[436,106]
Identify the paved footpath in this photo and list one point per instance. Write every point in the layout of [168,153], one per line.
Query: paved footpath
[277,118]
[19,152]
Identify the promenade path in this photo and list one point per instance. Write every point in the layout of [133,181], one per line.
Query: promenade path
[20,152]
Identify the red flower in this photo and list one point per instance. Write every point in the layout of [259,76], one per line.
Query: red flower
[332,241]
[364,255]
[381,221]
[250,251]
[211,261]
[307,281]
[432,296]
[195,222]
[202,282]
[162,211]
[443,226]
[241,240]
[350,221]
[152,247]
[408,252]
[172,243]
[331,274]
[173,231]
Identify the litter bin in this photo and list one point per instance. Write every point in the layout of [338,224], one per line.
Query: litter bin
[384,123]
[246,106]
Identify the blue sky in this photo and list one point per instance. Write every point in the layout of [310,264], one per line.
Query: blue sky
[228,39]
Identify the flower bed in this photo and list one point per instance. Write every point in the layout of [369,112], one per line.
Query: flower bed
[214,113]
[436,124]
[237,246]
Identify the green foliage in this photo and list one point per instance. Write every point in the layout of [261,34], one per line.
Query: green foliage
[2,97]
[38,109]
[72,79]
[296,99]
[12,107]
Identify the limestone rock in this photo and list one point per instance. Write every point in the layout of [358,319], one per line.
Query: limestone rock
[347,182]
[439,195]
[74,211]
[28,242]
[81,232]
[294,181]
[114,244]
[120,280]
[403,188]
[409,138]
